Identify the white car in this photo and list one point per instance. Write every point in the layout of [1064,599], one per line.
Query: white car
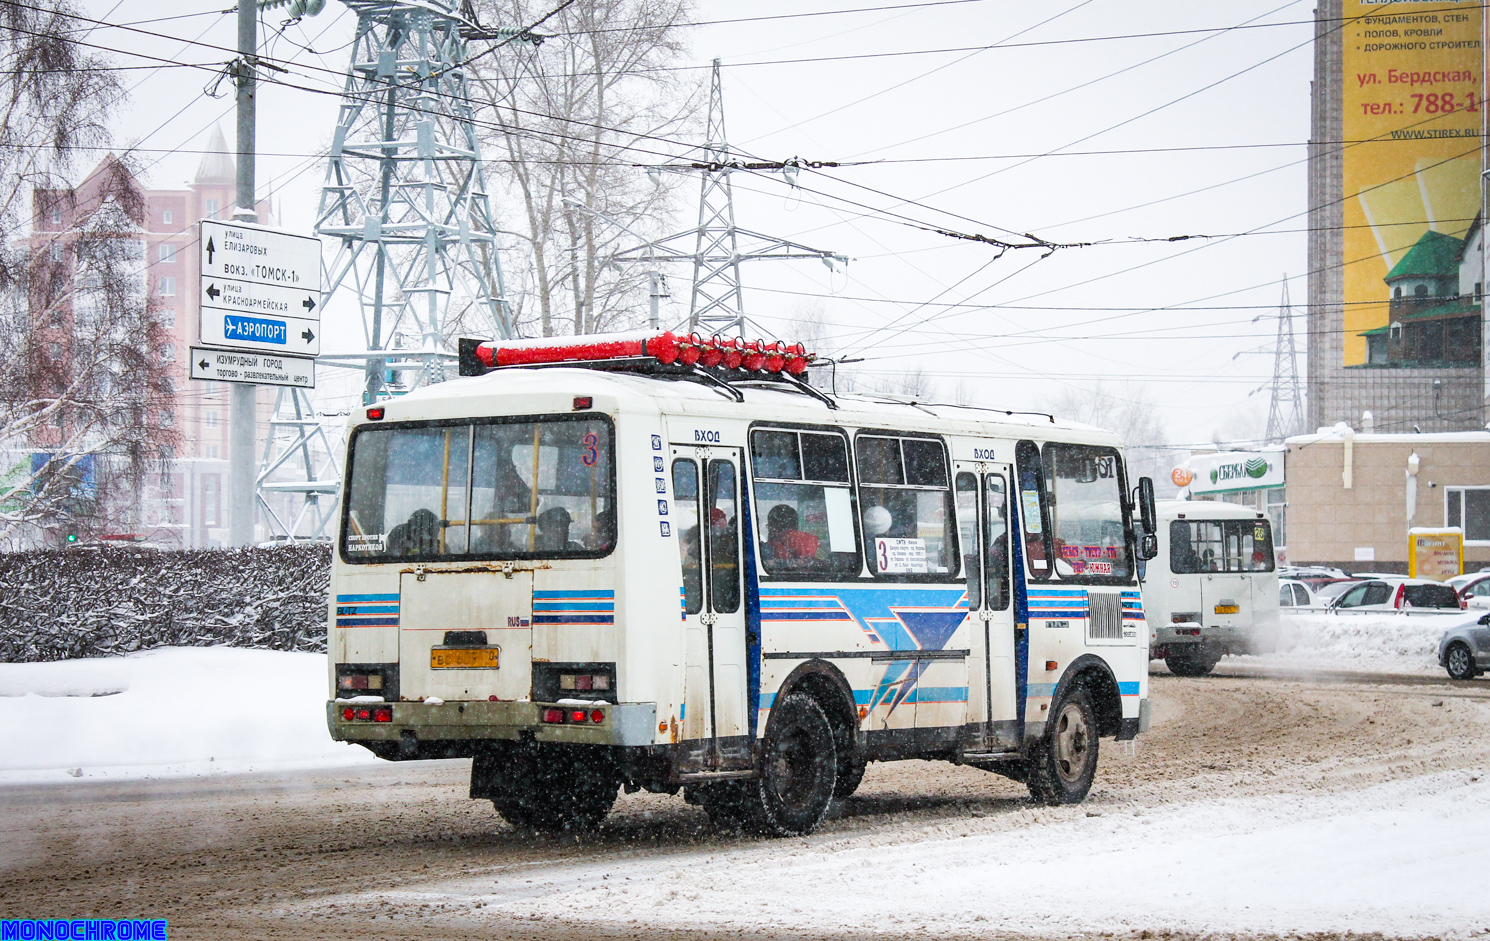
[1459,581]
[1395,593]
[1293,593]
[1474,590]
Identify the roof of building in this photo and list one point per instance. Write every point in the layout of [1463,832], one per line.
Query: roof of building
[217,166]
[1448,311]
[1435,255]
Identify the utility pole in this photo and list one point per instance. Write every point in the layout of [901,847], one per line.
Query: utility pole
[243,413]
[1286,408]
[718,305]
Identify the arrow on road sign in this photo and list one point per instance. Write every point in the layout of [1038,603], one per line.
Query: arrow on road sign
[205,365]
[309,304]
[307,336]
[210,249]
[213,292]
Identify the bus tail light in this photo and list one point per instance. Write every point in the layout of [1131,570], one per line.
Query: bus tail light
[597,716]
[383,714]
[553,715]
[347,714]
[578,715]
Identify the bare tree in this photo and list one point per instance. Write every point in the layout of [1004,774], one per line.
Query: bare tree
[568,114]
[85,396]
[1131,412]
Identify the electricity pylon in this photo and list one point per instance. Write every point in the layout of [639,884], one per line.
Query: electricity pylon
[717,307]
[405,197]
[1286,411]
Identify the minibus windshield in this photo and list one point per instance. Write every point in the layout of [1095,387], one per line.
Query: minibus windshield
[486,490]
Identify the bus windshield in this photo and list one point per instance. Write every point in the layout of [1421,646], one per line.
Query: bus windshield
[492,490]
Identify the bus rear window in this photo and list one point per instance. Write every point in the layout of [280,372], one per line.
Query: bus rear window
[527,489]
[1220,546]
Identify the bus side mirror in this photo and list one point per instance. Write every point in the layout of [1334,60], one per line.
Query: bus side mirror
[1148,546]
[1148,516]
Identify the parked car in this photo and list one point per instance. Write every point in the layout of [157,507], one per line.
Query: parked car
[1325,592]
[1394,593]
[1293,593]
[1464,651]
[1306,572]
[1474,590]
[1459,581]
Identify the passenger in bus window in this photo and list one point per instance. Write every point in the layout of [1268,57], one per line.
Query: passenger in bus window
[785,541]
[419,536]
[553,530]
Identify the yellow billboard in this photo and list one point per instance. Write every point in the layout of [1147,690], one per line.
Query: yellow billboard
[1413,88]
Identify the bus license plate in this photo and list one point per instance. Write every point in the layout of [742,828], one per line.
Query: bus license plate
[464,658]
[1228,609]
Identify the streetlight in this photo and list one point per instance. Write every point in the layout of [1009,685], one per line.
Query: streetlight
[657,280]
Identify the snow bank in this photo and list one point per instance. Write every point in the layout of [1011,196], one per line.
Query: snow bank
[1373,643]
[172,711]
[1404,859]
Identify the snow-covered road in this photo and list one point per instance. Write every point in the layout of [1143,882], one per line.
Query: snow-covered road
[1403,859]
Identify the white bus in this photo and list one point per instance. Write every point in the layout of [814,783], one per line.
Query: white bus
[670,564]
[1212,589]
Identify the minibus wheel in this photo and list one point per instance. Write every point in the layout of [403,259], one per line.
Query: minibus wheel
[551,788]
[799,767]
[798,770]
[1198,663]
[850,775]
[1064,762]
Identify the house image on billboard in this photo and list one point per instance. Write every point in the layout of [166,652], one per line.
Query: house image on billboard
[1434,312]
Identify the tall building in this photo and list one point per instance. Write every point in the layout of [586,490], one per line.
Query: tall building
[187,506]
[1396,278]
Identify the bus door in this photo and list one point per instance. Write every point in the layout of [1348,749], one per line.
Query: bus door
[983,524]
[707,498]
[1224,549]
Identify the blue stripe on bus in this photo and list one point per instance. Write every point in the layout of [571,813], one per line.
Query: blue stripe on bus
[931,694]
[806,602]
[1128,689]
[574,606]
[576,593]
[574,620]
[770,615]
[343,610]
[353,598]
[365,622]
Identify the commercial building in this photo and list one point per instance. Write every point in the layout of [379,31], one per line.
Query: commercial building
[1396,280]
[1352,497]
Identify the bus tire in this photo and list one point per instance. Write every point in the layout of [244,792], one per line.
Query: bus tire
[1459,662]
[551,788]
[1064,762]
[850,775]
[1198,663]
[793,787]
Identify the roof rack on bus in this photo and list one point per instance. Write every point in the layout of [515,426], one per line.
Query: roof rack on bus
[717,362]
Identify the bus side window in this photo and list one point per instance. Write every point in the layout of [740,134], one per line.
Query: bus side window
[996,522]
[685,507]
[1031,510]
[967,531]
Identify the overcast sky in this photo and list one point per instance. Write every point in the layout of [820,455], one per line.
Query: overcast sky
[1099,121]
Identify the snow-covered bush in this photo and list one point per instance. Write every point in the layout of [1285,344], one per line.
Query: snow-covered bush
[66,603]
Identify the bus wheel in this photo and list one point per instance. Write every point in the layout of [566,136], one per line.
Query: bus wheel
[1198,663]
[1064,762]
[850,775]
[552,788]
[798,770]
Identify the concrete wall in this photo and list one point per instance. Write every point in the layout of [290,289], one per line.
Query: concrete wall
[1326,522]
